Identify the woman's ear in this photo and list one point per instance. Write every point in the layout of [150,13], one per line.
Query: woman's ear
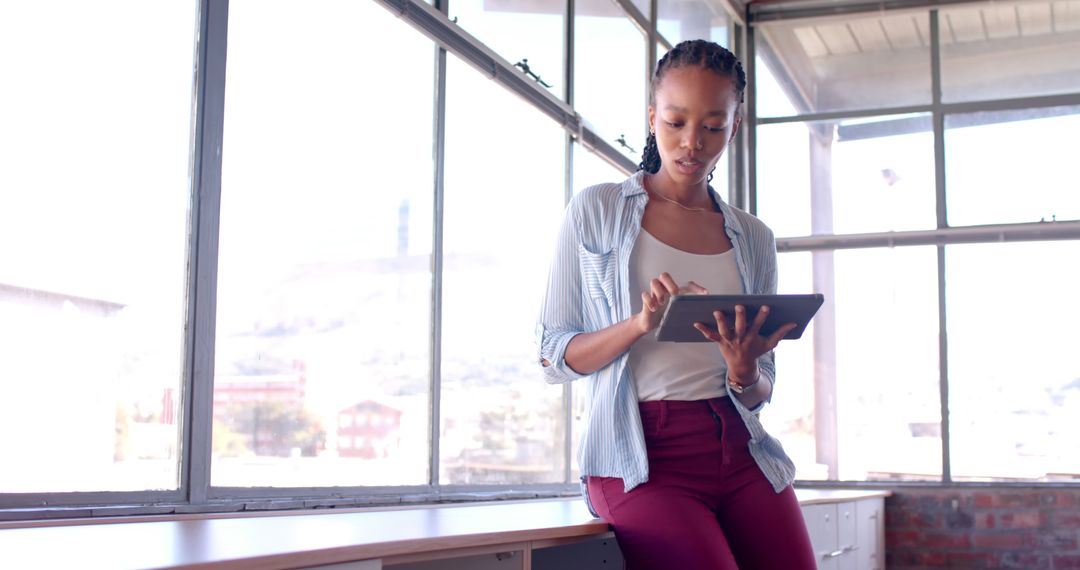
[735,128]
[652,119]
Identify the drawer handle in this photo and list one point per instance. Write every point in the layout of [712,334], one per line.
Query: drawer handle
[843,550]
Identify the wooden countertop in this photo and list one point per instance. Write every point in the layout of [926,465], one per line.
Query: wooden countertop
[310,538]
[819,496]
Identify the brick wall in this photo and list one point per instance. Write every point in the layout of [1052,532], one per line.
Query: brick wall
[982,528]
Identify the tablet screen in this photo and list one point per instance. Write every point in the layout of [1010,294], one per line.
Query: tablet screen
[677,324]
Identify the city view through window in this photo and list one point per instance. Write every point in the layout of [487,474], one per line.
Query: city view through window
[326,313]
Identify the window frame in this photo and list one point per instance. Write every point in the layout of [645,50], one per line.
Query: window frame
[195,492]
[942,236]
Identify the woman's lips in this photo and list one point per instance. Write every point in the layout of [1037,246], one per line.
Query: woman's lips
[688,166]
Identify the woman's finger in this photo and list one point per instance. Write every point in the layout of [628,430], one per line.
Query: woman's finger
[722,325]
[740,320]
[647,302]
[759,320]
[708,332]
[776,337]
[659,292]
[669,283]
[696,289]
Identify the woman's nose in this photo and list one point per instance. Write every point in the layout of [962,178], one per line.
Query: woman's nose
[692,140]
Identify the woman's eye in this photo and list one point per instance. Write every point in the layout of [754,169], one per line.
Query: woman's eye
[673,125]
[713,129]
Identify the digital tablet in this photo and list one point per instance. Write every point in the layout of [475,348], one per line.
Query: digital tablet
[677,324]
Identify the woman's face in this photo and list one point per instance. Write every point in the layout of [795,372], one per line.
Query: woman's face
[694,118]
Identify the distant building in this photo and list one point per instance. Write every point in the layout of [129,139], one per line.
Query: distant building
[233,391]
[368,429]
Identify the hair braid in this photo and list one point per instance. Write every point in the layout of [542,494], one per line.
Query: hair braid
[650,157]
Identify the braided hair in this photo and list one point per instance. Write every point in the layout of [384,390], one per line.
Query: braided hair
[707,54]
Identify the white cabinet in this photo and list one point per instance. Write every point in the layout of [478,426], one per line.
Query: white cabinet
[847,535]
[870,517]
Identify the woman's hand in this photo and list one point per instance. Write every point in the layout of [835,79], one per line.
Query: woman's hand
[656,298]
[742,344]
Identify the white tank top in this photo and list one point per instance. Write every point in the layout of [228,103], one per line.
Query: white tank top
[678,370]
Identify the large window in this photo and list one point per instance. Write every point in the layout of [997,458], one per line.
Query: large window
[1012,166]
[305,270]
[868,174]
[610,87]
[528,35]
[94,205]
[899,219]
[324,289]
[500,422]
[1013,374]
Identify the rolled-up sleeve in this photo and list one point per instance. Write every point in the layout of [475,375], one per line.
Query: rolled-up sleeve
[560,316]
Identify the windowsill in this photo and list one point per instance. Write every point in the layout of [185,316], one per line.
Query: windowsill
[293,539]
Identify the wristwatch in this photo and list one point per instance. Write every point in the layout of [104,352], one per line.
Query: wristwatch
[741,388]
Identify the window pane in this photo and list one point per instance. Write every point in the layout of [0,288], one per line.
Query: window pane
[609,74]
[857,396]
[501,423]
[790,415]
[590,169]
[852,176]
[1014,379]
[850,62]
[1010,49]
[517,30]
[324,287]
[680,20]
[94,206]
[1013,166]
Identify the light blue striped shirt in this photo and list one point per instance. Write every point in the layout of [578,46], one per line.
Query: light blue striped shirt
[588,290]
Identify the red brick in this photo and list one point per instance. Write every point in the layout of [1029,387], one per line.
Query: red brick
[1068,520]
[1022,519]
[1060,500]
[959,519]
[944,540]
[1012,540]
[1067,562]
[901,539]
[1026,560]
[926,520]
[1060,541]
[1009,499]
[935,559]
[897,519]
[984,500]
[896,559]
[985,520]
[972,560]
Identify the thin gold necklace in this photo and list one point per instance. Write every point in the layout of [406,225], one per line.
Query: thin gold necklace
[676,202]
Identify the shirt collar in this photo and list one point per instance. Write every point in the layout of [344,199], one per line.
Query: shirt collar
[635,185]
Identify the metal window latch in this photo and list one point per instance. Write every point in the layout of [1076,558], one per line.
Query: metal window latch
[523,65]
[504,555]
[622,142]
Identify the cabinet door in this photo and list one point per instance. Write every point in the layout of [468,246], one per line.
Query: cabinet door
[849,546]
[824,533]
[870,514]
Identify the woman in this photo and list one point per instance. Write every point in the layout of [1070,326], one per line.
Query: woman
[673,454]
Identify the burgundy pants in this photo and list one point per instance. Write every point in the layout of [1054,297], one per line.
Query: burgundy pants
[707,505]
